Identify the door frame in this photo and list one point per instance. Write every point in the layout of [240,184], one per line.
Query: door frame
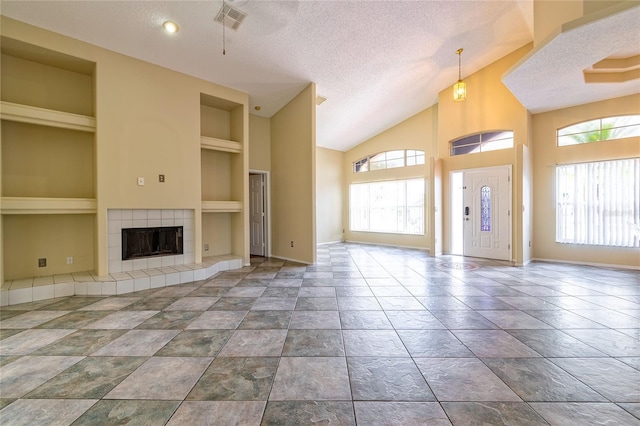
[458,192]
[267,209]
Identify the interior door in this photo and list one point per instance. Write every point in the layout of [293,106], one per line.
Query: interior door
[256,214]
[487,214]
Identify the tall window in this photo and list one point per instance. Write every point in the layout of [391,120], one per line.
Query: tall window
[391,206]
[599,203]
[601,129]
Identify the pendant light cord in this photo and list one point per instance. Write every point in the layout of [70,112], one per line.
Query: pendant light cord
[224,14]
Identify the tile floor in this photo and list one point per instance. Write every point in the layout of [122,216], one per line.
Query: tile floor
[367,336]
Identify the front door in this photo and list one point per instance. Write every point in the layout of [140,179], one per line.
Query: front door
[256,214]
[487,212]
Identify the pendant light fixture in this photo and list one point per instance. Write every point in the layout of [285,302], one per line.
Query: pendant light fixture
[460,88]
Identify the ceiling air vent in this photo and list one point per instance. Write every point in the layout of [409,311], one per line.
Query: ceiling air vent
[230,16]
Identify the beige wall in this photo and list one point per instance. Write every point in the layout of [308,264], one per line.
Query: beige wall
[489,106]
[148,123]
[329,195]
[546,155]
[259,143]
[293,148]
[549,15]
[53,237]
[417,132]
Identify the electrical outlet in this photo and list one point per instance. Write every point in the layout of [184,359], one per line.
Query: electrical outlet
[42,262]
[291,243]
[69,260]
[206,247]
[140,181]
[160,178]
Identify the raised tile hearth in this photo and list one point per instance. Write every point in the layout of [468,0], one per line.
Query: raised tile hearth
[90,284]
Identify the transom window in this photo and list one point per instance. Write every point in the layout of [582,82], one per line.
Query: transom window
[601,129]
[482,142]
[389,160]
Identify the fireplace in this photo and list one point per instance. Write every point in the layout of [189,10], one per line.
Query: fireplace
[150,242]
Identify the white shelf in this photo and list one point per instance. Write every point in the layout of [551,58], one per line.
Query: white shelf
[33,205]
[46,117]
[221,206]
[220,145]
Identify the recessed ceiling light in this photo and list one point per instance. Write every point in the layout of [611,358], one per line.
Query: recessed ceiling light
[170,27]
[257,107]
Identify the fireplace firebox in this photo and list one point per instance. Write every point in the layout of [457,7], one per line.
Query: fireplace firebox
[148,242]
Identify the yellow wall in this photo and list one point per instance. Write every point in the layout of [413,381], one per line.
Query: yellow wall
[549,15]
[259,143]
[546,154]
[32,166]
[53,237]
[417,132]
[293,148]
[329,195]
[489,106]
[148,123]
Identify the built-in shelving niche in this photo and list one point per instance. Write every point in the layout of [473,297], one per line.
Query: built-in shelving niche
[222,166]
[48,161]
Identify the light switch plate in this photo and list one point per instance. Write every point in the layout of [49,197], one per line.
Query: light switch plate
[140,181]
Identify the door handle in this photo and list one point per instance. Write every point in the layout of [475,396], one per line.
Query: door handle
[466,211]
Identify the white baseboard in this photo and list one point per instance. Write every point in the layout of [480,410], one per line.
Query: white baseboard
[329,242]
[291,260]
[600,265]
[387,245]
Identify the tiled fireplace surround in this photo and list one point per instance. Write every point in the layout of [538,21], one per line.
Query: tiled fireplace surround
[129,275]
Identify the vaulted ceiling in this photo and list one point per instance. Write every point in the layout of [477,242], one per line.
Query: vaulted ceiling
[376,62]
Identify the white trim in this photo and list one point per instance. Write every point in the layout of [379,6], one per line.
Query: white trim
[510,203]
[329,242]
[578,262]
[291,260]
[389,245]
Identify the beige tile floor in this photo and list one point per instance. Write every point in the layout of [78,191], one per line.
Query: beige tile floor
[368,336]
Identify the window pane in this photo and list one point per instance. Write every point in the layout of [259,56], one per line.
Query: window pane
[361,166]
[391,206]
[485,209]
[394,155]
[621,121]
[587,126]
[465,149]
[598,203]
[420,159]
[377,165]
[469,140]
[608,128]
[497,144]
[379,157]
[392,164]
[622,132]
[481,142]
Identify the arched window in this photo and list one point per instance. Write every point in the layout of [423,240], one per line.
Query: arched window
[482,142]
[601,129]
[389,160]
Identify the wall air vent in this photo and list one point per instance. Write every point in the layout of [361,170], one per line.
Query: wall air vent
[230,16]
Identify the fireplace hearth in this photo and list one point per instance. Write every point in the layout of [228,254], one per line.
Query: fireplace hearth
[150,242]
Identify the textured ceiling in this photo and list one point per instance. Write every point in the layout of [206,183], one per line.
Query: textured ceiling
[551,76]
[377,62]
